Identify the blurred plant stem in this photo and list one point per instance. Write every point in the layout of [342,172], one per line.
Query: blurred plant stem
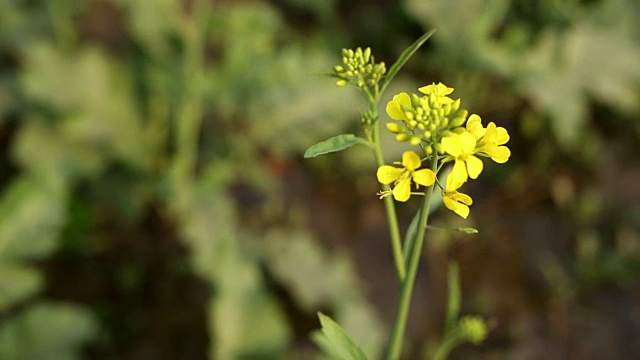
[404,304]
[389,205]
[194,30]
[60,14]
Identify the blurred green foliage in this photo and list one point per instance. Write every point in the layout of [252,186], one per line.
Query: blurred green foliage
[153,201]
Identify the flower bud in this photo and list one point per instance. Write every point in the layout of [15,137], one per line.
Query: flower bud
[415,140]
[457,121]
[428,149]
[473,329]
[394,127]
[455,105]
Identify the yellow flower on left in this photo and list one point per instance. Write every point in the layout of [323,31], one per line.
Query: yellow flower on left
[397,107]
[402,177]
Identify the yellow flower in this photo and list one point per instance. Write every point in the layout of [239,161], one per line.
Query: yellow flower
[439,89]
[490,140]
[461,148]
[396,108]
[402,177]
[439,92]
[455,201]
[492,144]
[474,126]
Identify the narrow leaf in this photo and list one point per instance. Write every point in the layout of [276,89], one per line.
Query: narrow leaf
[334,144]
[406,55]
[453,303]
[410,237]
[335,342]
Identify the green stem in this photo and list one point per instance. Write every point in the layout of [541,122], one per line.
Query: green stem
[191,107]
[451,340]
[63,27]
[392,219]
[402,313]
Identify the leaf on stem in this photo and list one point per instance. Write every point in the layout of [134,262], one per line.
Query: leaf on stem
[453,302]
[334,144]
[335,342]
[406,55]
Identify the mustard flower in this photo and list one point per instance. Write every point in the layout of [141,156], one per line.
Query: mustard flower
[396,108]
[454,200]
[493,144]
[490,139]
[438,93]
[460,148]
[474,126]
[402,177]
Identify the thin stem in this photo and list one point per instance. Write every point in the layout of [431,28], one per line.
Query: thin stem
[191,108]
[402,313]
[63,27]
[392,219]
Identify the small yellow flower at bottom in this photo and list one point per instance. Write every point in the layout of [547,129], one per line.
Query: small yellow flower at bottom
[454,200]
[402,177]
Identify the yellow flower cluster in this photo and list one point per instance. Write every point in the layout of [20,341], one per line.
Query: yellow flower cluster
[435,122]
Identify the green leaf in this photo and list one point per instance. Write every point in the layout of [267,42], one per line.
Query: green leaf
[453,303]
[335,342]
[410,237]
[406,55]
[47,331]
[16,283]
[334,144]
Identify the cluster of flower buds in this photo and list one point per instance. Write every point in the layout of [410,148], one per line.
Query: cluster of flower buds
[426,118]
[359,68]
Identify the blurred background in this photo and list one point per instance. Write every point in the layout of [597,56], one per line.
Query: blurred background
[154,202]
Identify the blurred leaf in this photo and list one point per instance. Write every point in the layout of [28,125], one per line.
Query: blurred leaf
[16,283]
[31,215]
[88,128]
[334,341]
[246,320]
[323,279]
[334,144]
[404,57]
[46,331]
[152,22]
[453,297]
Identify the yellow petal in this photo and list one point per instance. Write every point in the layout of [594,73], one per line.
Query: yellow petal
[467,142]
[387,174]
[501,155]
[460,209]
[451,145]
[440,89]
[452,184]
[474,126]
[402,191]
[462,198]
[411,160]
[474,166]
[424,177]
[459,173]
[496,135]
[394,107]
